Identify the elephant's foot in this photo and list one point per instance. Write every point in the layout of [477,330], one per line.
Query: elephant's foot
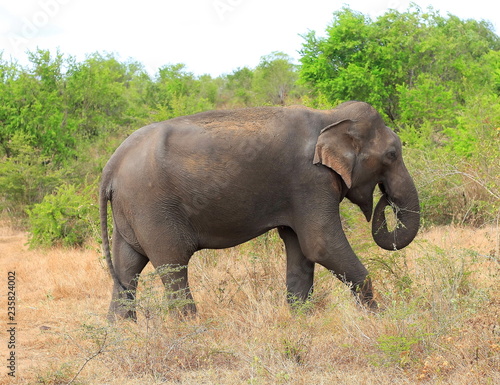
[365,297]
[117,312]
[186,311]
[122,306]
[370,305]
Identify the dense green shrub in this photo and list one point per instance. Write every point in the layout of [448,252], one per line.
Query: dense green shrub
[67,217]
[457,170]
[26,176]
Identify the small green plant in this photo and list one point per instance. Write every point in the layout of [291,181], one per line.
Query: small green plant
[301,308]
[65,217]
[57,375]
[398,348]
[394,268]
[295,349]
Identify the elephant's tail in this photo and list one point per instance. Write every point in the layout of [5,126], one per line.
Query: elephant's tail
[104,197]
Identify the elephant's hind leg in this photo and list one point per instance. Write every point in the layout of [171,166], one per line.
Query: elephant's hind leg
[175,280]
[128,265]
[170,258]
[299,270]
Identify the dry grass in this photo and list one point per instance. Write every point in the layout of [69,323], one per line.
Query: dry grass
[440,324]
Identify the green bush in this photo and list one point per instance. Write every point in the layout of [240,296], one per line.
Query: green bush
[456,170]
[66,217]
[26,176]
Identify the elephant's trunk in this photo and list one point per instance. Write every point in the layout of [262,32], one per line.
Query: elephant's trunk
[407,211]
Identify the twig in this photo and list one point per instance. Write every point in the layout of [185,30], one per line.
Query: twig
[88,359]
[479,182]
[475,179]
[490,257]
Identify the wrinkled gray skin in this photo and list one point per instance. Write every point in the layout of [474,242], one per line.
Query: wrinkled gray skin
[217,179]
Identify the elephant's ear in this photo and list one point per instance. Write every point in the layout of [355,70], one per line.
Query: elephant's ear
[336,148]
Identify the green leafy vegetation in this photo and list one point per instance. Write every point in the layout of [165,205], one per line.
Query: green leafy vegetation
[66,217]
[435,79]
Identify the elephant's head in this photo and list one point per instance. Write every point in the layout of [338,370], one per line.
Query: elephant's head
[366,153]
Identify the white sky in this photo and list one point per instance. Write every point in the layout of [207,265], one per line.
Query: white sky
[209,36]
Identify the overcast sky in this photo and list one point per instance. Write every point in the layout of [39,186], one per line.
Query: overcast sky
[209,36]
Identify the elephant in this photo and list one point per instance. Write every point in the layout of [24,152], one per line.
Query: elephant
[219,178]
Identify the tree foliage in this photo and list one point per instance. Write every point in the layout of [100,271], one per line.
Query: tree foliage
[401,54]
[275,78]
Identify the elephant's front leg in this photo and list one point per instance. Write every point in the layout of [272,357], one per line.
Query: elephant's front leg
[324,242]
[299,270]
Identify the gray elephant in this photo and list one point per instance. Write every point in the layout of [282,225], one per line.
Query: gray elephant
[220,178]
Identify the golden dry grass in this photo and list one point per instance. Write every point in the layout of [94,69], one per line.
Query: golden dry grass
[440,323]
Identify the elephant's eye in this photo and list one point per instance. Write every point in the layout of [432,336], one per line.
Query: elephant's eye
[391,155]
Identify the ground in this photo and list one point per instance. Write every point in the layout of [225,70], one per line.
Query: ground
[439,321]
